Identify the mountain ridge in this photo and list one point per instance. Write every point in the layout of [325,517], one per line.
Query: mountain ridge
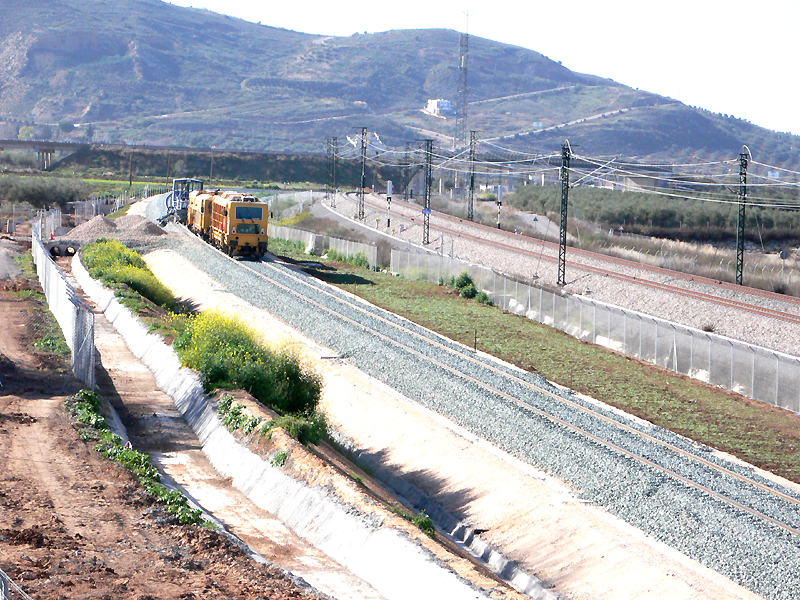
[145,71]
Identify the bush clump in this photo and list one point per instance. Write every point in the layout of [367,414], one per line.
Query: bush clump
[483,298]
[229,355]
[424,522]
[468,291]
[306,429]
[113,263]
[463,280]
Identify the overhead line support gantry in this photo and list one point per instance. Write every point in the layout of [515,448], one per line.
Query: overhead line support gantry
[360,214]
[426,212]
[566,154]
[743,159]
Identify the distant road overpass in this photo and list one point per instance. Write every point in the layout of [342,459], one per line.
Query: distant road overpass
[47,149]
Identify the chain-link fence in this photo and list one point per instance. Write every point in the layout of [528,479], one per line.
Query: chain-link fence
[752,371]
[10,590]
[74,317]
[322,243]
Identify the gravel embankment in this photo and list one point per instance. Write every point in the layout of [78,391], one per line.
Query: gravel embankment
[748,327]
[756,554]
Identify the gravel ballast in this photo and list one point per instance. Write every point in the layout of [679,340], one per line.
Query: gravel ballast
[756,554]
[730,322]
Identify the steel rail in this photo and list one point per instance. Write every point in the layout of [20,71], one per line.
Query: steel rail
[527,406]
[613,259]
[557,398]
[665,287]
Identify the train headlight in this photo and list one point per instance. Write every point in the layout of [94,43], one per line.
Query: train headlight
[262,231]
[234,230]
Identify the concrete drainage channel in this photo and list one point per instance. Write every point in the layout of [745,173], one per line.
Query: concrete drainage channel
[382,556]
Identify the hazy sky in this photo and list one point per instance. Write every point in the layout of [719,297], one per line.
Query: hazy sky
[732,57]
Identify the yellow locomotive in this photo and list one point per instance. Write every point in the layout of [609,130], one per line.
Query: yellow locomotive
[234,222]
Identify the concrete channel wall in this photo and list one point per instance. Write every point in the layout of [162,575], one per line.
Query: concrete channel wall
[384,557]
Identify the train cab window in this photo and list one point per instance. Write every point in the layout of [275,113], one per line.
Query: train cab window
[249,213]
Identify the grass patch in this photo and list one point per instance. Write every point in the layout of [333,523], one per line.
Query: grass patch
[286,247]
[420,519]
[758,433]
[26,264]
[279,458]
[310,428]
[359,260]
[116,265]
[43,330]
[85,408]
[121,212]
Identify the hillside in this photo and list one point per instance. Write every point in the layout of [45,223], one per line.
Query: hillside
[144,71]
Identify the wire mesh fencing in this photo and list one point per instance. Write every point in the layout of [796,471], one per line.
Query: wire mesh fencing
[73,316]
[753,371]
[321,243]
[10,590]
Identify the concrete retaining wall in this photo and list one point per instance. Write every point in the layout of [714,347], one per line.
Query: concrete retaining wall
[384,557]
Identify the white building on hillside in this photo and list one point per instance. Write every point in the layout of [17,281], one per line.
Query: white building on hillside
[439,107]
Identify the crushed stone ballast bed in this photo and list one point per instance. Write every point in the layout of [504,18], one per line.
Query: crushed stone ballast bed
[384,557]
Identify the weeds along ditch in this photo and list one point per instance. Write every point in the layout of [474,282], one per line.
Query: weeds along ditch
[85,408]
[227,353]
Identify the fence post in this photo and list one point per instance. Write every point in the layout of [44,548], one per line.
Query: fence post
[674,349]
[594,323]
[777,379]
[753,375]
[541,307]
[624,332]
[655,353]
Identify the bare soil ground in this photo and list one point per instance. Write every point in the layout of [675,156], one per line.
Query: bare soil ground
[75,525]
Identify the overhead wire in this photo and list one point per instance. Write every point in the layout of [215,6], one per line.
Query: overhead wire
[684,178]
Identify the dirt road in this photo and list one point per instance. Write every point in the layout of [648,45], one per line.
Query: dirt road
[75,525]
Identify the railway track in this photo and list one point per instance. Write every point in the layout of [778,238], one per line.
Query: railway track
[682,462]
[664,287]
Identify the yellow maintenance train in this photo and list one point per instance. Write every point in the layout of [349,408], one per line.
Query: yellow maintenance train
[235,223]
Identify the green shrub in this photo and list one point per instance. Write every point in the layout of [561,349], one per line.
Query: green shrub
[309,429]
[468,291]
[483,298]
[229,355]
[424,522]
[279,458]
[462,281]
